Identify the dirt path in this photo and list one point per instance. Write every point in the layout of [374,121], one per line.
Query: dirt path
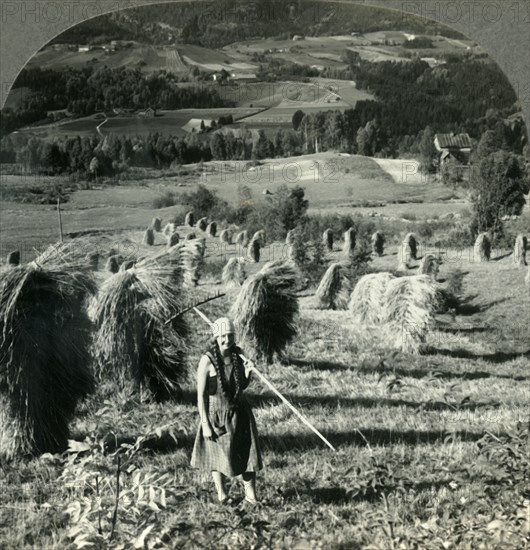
[98,128]
[403,170]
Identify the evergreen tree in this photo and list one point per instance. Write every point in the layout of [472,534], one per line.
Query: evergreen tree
[427,151]
[499,187]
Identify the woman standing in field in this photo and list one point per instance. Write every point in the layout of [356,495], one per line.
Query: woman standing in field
[227,438]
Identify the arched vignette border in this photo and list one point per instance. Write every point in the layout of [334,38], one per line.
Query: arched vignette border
[500,27]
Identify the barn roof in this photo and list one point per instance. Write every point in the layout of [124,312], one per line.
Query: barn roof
[460,141]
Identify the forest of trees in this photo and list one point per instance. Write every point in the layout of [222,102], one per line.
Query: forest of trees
[87,91]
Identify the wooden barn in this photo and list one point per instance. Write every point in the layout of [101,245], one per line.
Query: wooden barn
[454,150]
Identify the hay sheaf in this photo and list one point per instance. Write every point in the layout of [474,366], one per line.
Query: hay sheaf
[254,250]
[482,248]
[132,343]
[242,238]
[189,220]
[156,225]
[349,243]
[411,241]
[202,224]
[45,349]
[212,229]
[225,237]
[429,265]
[149,237]
[173,239]
[191,255]
[409,304]
[260,236]
[234,273]
[378,243]
[366,301]
[327,240]
[332,292]
[169,229]
[266,310]
[404,255]
[519,251]
[13,258]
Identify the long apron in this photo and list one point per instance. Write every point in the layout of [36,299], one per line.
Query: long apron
[236,448]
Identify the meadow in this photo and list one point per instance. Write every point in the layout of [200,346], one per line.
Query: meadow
[352,184]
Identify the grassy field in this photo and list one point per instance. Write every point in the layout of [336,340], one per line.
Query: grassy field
[411,433]
[352,184]
[147,58]
[166,122]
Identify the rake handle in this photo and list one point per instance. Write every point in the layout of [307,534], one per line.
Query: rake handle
[293,409]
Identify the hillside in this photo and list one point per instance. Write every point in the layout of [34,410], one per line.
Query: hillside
[215,25]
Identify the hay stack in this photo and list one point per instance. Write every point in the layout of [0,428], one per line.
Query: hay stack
[519,251]
[266,310]
[45,368]
[349,243]
[429,265]
[13,258]
[332,292]
[156,225]
[366,301]
[378,243]
[189,220]
[254,250]
[173,239]
[169,229]
[212,229]
[242,238]
[225,236]
[191,236]
[149,237]
[132,343]
[408,314]
[112,265]
[482,248]
[404,256]
[234,273]
[411,241]
[259,235]
[202,224]
[192,261]
[290,237]
[327,240]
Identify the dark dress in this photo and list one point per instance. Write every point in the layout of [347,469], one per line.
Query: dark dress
[236,449]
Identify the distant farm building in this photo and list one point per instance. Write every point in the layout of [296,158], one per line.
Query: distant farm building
[147,113]
[84,48]
[455,151]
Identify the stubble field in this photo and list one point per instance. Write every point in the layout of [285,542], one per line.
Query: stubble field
[409,470]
